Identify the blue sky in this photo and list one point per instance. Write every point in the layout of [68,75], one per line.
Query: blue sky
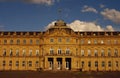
[35,15]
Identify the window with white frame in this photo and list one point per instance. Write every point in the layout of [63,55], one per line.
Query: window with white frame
[102,42]
[95,42]
[51,51]
[37,63]
[67,51]
[89,52]
[89,42]
[17,52]
[23,53]
[23,63]
[103,64]
[17,63]
[82,41]
[11,53]
[115,52]
[96,52]
[30,63]
[59,51]
[4,52]
[82,52]
[4,62]
[109,64]
[37,52]
[96,63]
[30,52]
[102,52]
[10,63]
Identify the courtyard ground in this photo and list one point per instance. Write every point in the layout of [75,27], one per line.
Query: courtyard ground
[60,74]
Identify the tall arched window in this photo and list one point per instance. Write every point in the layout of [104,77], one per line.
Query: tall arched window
[51,51]
[82,52]
[89,52]
[115,52]
[102,52]
[67,51]
[59,51]
[96,52]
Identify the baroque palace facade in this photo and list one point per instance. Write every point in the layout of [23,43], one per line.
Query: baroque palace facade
[60,48]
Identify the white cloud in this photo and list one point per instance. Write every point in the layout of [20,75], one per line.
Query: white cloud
[78,25]
[50,25]
[88,9]
[47,2]
[111,14]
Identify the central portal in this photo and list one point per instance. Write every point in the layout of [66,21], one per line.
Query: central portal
[59,63]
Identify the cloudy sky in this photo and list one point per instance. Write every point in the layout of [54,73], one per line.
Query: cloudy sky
[80,15]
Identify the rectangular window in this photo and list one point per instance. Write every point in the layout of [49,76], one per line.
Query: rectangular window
[96,63]
[51,40]
[59,51]
[102,53]
[89,52]
[37,42]
[4,63]
[30,63]
[96,52]
[51,51]
[115,52]
[17,63]
[95,41]
[23,63]
[103,64]
[67,40]
[17,52]
[82,52]
[4,52]
[59,40]
[116,63]
[10,63]
[82,64]
[102,42]
[5,41]
[23,53]
[89,63]
[11,53]
[11,41]
[30,52]
[109,63]
[37,63]
[67,51]
[37,52]
[24,41]
[31,41]
[89,42]
[82,41]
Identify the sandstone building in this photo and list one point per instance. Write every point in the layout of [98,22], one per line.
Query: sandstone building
[60,48]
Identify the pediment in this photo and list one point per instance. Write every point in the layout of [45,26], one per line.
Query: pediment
[60,32]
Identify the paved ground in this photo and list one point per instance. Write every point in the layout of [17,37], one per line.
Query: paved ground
[68,74]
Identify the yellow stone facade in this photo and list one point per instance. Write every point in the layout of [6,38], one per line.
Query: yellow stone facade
[60,48]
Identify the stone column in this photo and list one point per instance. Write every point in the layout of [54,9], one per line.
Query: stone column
[63,64]
[54,63]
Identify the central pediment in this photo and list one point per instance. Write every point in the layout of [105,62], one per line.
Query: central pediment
[59,29]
